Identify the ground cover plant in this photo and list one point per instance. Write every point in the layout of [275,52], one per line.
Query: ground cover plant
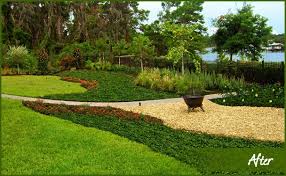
[255,95]
[37,144]
[179,144]
[38,86]
[112,86]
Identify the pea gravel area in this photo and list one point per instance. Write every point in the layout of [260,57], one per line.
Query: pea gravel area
[261,123]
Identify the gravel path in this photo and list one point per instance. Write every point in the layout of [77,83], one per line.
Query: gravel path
[262,123]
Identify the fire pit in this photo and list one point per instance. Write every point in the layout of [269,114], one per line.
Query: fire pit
[194,102]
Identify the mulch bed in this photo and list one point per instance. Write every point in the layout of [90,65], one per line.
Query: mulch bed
[50,109]
[88,84]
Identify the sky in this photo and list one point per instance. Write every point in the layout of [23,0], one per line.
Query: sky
[273,10]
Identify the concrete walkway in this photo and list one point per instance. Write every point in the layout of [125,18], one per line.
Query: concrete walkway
[132,103]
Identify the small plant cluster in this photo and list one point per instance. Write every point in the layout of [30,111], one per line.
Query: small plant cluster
[100,65]
[20,59]
[46,108]
[107,66]
[43,59]
[72,61]
[88,84]
[167,80]
[255,95]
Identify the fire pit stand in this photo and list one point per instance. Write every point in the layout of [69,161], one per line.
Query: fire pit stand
[194,102]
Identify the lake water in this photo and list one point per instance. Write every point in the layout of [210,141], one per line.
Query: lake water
[267,56]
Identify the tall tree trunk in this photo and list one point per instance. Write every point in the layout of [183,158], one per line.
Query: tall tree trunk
[183,68]
[141,63]
[119,59]
[231,56]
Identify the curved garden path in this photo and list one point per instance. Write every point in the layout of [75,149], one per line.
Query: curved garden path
[131,103]
[261,123]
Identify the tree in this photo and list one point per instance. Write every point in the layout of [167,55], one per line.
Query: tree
[186,12]
[243,33]
[121,47]
[101,45]
[153,31]
[183,42]
[142,47]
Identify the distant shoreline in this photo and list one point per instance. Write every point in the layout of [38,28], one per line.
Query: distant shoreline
[267,56]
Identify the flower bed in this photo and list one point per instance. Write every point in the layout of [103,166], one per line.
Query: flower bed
[255,95]
[48,109]
[88,84]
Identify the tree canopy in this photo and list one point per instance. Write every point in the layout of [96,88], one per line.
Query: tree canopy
[244,33]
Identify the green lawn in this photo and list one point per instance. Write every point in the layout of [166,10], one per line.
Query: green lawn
[189,147]
[35,144]
[37,86]
[112,86]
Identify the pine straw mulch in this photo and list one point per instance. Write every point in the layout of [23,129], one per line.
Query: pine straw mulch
[262,123]
[88,84]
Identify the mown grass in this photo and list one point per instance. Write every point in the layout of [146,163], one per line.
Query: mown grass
[179,144]
[112,87]
[36,144]
[38,86]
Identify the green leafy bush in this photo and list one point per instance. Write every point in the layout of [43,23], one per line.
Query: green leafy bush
[255,95]
[68,62]
[20,58]
[43,59]
[125,69]
[107,66]
[88,51]
[103,65]
[89,65]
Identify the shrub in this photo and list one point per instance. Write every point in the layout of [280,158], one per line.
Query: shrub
[20,58]
[89,65]
[68,62]
[43,59]
[194,83]
[87,50]
[103,65]
[125,69]
[78,58]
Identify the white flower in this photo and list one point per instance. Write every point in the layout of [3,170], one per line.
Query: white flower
[223,100]
[273,90]
[270,101]
[251,90]
[242,100]
[256,95]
